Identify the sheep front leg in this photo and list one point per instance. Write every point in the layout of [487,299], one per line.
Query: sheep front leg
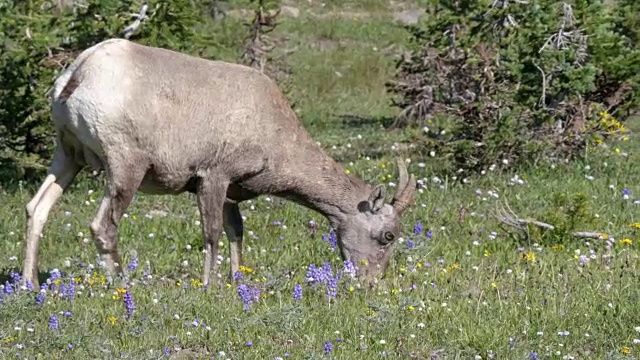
[211,194]
[123,182]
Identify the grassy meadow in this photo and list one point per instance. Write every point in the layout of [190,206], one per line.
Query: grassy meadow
[461,284]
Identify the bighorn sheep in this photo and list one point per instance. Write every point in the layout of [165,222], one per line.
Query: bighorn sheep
[163,122]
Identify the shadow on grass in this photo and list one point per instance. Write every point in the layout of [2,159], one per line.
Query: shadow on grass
[5,275]
[360,121]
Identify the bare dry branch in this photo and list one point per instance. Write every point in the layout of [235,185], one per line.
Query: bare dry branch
[543,97]
[508,217]
[129,30]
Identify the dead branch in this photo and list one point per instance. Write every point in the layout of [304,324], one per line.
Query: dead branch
[129,30]
[543,97]
[508,217]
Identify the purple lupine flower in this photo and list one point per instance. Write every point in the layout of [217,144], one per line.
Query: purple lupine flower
[332,287]
[410,244]
[128,303]
[626,193]
[348,268]
[15,277]
[249,343]
[69,290]
[311,273]
[54,275]
[297,292]
[325,272]
[8,288]
[322,274]
[328,347]
[29,285]
[237,276]
[41,298]
[166,351]
[583,260]
[54,323]
[417,228]
[248,295]
[533,356]
[429,234]
[133,264]
[333,239]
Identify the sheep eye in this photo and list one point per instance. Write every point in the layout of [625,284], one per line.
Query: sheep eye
[388,236]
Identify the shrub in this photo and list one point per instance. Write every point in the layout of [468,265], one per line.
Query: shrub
[504,82]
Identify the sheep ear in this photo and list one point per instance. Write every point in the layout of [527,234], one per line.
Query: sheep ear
[376,198]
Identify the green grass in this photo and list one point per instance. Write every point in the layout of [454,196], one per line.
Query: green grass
[465,291]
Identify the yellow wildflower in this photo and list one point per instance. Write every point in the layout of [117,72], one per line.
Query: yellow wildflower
[604,236]
[351,289]
[486,253]
[9,340]
[557,247]
[419,265]
[529,256]
[626,242]
[112,319]
[196,283]
[625,350]
[395,291]
[494,284]
[410,308]
[245,269]
[347,171]
[635,225]
[119,293]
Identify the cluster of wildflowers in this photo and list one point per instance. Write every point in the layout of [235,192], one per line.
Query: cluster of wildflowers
[297,292]
[133,264]
[129,305]
[248,294]
[331,238]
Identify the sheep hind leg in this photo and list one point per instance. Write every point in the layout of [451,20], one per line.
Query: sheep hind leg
[233,227]
[62,171]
